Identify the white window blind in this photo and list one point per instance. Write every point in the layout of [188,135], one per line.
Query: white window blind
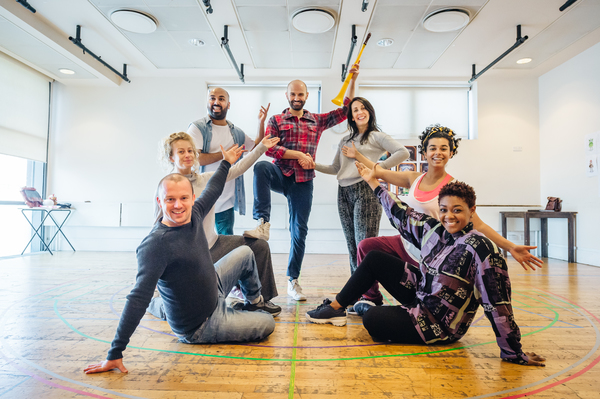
[246,101]
[404,111]
[24,102]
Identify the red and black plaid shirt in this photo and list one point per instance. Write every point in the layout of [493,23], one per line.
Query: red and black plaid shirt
[300,135]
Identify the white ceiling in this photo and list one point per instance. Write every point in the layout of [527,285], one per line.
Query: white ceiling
[262,37]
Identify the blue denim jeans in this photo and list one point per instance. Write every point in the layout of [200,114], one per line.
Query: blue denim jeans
[224,222]
[267,178]
[226,324]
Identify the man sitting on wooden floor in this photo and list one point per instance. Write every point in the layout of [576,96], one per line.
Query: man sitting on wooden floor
[175,256]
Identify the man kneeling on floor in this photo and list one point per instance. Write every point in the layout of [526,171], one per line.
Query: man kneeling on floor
[175,256]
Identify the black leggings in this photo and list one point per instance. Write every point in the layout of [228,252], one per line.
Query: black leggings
[384,323]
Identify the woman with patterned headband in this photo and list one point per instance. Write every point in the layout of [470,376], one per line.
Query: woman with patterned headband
[438,145]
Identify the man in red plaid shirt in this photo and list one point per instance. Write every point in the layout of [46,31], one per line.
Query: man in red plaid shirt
[292,171]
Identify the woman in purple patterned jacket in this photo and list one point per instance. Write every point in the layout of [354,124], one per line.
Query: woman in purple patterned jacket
[460,269]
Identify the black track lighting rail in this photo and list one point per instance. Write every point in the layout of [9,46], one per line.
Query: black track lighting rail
[520,40]
[77,41]
[225,45]
[353,41]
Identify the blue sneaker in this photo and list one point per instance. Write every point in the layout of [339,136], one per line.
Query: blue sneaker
[324,314]
[361,307]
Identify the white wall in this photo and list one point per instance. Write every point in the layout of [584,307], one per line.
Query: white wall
[570,109]
[104,150]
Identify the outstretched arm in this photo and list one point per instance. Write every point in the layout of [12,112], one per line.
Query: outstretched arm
[492,281]
[411,224]
[355,70]
[332,169]
[241,167]
[519,252]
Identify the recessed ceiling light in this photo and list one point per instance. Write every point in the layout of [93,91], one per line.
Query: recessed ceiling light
[313,20]
[196,42]
[385,42]
[134,21]
[446,20]
[524,61]
[66,71]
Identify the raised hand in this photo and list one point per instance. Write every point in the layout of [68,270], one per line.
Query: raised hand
[269,141]
[233,154]
[262,114]
[349,152]
[526,259]
[367,174]
[355,70]
[106,365]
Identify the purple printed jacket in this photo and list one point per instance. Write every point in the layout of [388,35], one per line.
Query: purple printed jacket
[456,274]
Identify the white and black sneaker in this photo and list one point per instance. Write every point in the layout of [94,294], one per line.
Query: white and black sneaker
[265,306]
[324,314]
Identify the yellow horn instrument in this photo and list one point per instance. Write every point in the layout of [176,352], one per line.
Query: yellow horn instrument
[339,100]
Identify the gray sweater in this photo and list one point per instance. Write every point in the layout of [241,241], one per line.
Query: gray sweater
[377,144]
[177,259]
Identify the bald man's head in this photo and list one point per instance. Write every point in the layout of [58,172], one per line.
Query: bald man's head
[218,103]
[297,94]
[175,199]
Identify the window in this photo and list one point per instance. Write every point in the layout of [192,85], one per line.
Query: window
[404,111]
[19,172]
[24,113]
[246,101]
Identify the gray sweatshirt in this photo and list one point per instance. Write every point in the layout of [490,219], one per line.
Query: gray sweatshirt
[377,144]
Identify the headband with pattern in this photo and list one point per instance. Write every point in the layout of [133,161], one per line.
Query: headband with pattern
[441,130]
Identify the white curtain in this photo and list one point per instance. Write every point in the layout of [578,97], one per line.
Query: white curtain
[404,112]
[24,102]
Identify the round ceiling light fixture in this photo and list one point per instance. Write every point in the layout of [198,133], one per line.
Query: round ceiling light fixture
[446,20]
[313,20]
[524,60]
[385,42]
[196,42]
[66,71]
[134,21]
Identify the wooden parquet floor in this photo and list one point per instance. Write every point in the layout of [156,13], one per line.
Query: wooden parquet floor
[59,313]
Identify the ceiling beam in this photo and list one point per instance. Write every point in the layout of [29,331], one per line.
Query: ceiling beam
[38,27]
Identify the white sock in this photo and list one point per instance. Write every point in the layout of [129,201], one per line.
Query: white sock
[257,300]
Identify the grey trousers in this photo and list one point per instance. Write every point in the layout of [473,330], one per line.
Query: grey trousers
[360,213]
[223,246]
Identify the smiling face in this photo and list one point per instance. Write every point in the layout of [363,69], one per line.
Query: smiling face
[455,213]
[438,152]
[183,156]
[360,116]
[218,103]
[296,95]
[176,198]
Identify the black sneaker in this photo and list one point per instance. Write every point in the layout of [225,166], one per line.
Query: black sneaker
[361,307]
[324,314]
[266,306]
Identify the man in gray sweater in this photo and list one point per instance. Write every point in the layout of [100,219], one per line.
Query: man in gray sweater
[175,257]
